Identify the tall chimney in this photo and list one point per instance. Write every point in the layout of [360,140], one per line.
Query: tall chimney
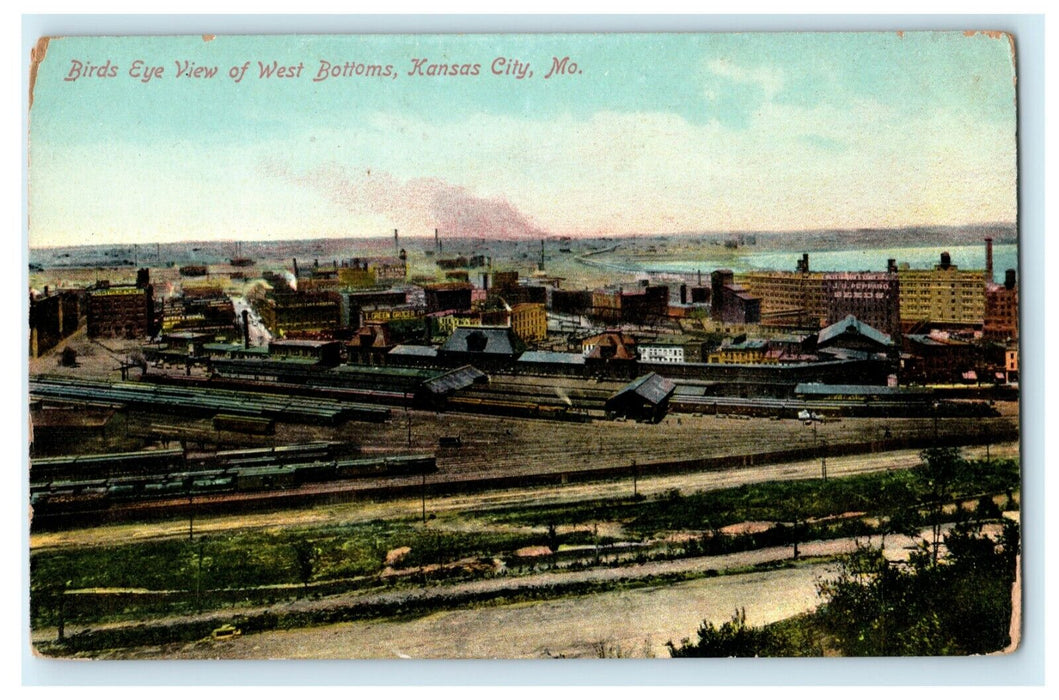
[246,329]
[988,260]
[396,244]
[1009,279]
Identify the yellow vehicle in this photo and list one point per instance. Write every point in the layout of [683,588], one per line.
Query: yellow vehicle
[226,632]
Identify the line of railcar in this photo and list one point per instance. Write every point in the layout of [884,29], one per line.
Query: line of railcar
[72,495]
[517,409]
[208,401]
[164,461]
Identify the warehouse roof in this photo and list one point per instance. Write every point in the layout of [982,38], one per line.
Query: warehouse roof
[414,350]
[816,389]
[450,382]
[550,357]
[850,324]
[651,387]
[481,340]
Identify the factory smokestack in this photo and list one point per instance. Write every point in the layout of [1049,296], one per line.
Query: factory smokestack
[396,244]
[246,329]
[295,268]
[988,260]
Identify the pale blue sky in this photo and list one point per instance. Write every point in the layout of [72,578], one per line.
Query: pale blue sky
[658,133]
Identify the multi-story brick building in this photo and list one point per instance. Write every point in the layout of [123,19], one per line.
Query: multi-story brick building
[571,301]
[671,348]
[529,321]
[789,299]
[448,295]
[944,295]
[873,297]
[52,317]
[730,302]
[121,311]
[645,304]
[300,312]
[1001,320]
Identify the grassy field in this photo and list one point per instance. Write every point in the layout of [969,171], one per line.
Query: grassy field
[248,567]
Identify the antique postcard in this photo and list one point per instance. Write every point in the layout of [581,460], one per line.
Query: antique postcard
[495,346]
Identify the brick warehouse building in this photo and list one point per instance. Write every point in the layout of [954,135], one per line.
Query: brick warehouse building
[122,311]
[873,297]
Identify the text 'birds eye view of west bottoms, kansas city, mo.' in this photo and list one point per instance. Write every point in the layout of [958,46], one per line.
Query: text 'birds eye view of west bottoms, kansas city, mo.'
[524,346]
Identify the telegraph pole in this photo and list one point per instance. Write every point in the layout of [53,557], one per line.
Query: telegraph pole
[823,460]
[408,416]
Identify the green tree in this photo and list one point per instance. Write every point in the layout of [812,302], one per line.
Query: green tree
[940,468]
[305,557]
[959,605]
[733,638]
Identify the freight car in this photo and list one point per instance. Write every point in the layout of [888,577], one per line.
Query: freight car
[499,407]
[244,424]
[106,465]
[78,496]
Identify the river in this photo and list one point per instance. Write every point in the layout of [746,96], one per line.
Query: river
[968,257]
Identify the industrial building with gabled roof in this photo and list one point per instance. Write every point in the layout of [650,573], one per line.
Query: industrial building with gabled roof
[853,334]
[645,399]
[484,341]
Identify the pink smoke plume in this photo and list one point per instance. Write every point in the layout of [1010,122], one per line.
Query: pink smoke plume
[420,203]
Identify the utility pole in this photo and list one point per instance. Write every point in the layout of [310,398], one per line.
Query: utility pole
[191,497]
[423,496]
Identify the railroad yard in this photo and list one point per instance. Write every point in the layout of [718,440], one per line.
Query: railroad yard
[438,503]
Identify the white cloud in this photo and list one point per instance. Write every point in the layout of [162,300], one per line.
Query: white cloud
[769,79]
[791,167]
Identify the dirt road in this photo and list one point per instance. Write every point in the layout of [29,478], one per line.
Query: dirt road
[630,623]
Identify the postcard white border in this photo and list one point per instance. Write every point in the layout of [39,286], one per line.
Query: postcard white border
[1025,667]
